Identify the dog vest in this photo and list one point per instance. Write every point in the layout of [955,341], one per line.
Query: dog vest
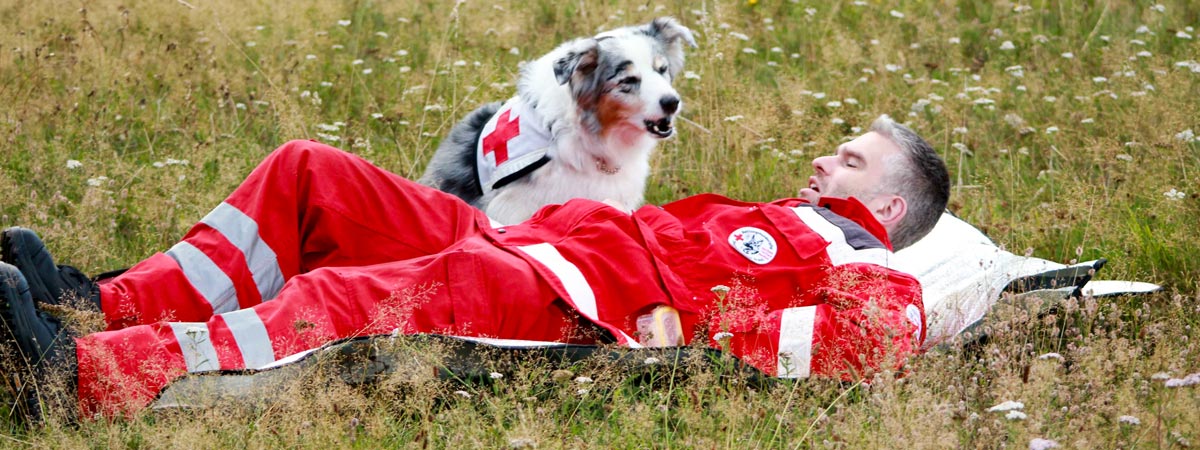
[513,143]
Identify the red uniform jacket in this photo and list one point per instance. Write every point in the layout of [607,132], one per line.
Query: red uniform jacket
[809,290]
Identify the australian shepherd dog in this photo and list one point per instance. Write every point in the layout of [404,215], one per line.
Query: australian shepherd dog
[583,124]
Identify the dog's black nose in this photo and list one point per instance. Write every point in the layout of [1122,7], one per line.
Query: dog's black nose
[669,104]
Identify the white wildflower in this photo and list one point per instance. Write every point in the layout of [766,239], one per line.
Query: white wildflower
[1160,376]
[818,95]
[690,75]
[1015,415]
[1050,99]
[251,43]
[896,14]
[720,336]
[1137,42]
[1125,157]
[1142,29]
[650,361]
[850,101]
[1186,135]
[1088,120]
[514,51]
[367,71]
[834,104]
[749,51]
[837,121]
[519,443]
[1099,80]
[1129,420]
[376,115]
[959,130]
[892,67]
[463,394]
[1051,355]
[1068,55]
[496,375]
[1157,7]
[73,164]
[344,22]
[310,57]
[1182,34]
[328,127]
[1144,54]
[734,118]
[1016,71]
[435,107]
[97,181]
[583,380]
[1042,444]
[1051,129]
[776,50]
[1174,194]
[954,40]
[583,391]
[356,62]
[1007,405]
[325,84]
[810,11]
[329,137]
[1007,45]
[720,289]
[739,36]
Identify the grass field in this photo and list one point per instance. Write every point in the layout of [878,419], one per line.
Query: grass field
[1069,128]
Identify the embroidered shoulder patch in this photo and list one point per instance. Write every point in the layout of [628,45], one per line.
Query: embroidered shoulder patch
[756,245]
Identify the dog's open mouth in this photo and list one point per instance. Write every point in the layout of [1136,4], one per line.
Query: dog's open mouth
[661,127]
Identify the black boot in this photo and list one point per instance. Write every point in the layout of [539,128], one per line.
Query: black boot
[39,366]
[48,283]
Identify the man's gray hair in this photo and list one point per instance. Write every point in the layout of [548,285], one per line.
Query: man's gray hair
[921,179]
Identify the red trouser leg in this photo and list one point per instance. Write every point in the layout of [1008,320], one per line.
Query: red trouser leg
[306,206]
[474,289]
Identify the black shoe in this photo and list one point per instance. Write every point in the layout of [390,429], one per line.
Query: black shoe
[39,365]
[48,283]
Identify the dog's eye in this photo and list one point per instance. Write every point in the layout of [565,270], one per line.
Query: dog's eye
[628,84]
[661,70]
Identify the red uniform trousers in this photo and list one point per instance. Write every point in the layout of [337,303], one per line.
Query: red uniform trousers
[301,254]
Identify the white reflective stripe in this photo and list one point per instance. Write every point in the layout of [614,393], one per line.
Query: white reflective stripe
[242,231]
[576,285]
[196,345]
[838,250]
[251,337]
[568,273]
[204,275]
[795,342]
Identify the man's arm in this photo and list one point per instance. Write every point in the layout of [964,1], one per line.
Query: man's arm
[863,319]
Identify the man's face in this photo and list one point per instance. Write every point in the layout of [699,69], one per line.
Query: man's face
[858,169]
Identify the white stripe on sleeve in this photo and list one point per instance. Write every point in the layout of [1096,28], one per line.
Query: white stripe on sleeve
[572,279]
[796,342]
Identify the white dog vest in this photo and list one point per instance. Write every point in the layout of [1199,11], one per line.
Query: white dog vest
[513,143]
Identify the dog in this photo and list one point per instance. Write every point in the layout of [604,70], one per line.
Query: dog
[583,124]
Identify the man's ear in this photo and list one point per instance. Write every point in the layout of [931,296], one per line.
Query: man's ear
[889,210]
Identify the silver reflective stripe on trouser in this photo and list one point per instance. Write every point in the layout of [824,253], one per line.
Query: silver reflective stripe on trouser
[211,280]
[204,275]
[795,342]
[249,333]
[251,337]
[839,251]
[572,279]
[196,345]
[242,231]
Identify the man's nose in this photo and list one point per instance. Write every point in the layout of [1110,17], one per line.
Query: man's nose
[821,163]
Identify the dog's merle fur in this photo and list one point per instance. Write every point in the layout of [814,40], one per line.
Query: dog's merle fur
[605,101]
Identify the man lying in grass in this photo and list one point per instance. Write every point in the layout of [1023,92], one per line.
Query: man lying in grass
[318,245]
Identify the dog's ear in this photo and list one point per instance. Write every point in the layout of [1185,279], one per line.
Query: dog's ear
[673,36]
[581,58]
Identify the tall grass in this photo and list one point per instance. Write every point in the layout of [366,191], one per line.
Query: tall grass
[1063,122]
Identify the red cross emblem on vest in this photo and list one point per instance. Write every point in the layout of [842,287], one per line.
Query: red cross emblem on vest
[497,141]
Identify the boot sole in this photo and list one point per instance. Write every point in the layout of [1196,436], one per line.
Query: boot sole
[10,241]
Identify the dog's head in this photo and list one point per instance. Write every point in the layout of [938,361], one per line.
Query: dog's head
[621,79]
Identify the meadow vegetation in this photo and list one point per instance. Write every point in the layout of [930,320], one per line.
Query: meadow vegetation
[1069,127]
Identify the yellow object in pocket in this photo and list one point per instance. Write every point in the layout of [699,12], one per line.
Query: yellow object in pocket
[660,328]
